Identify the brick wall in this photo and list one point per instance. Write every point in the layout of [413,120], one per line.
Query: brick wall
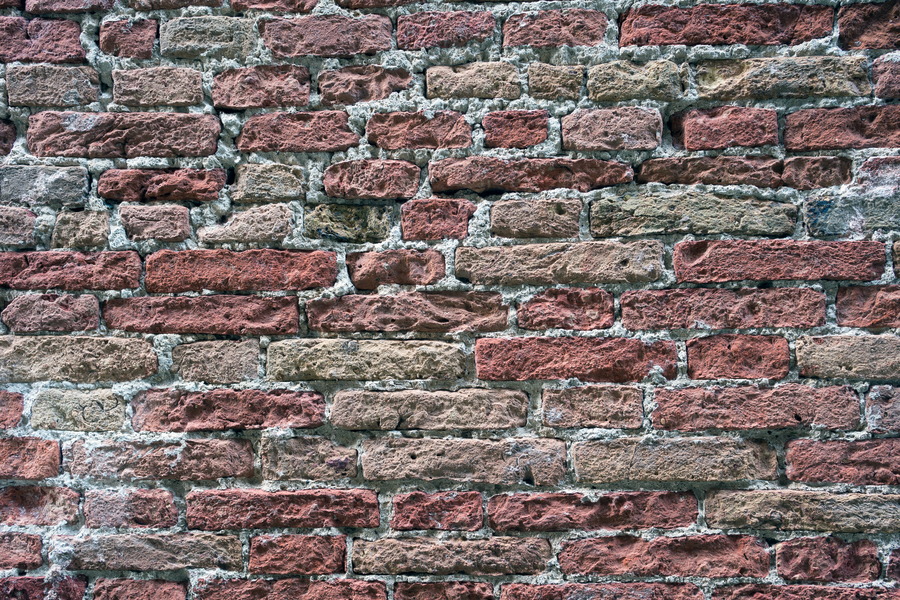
[387,299]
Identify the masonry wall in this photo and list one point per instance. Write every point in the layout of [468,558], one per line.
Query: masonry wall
[380,299]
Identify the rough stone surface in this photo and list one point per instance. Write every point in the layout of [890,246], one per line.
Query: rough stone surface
[552,82]
[161,552]
[77,359]
[731,356]
[320,131]
[70,270]
[40,40]
[150,185]
[347,223]
[496,556]
[606,406]
[49,85]
[368,270]
[567,308]
[260,224]
[372,180]
[327,35]
[800,77]
[268,183]
[160,222]
[51,312]
[443,29]
[88,229]
[159,86]
[33,186]
[366,83]
[869,26]
[515,128]
[869,357]
[474,80]
[537,218]
[206,37]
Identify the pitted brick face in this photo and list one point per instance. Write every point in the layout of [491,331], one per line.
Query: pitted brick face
[399,300]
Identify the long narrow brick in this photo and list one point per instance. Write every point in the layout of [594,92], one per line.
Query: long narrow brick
[492,556]
[486,174]
[826,128]
[863,462]
[70,270]
[156,552]
[76,359]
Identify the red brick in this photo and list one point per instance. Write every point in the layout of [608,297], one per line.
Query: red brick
[372,179]
[738,357]
[320,131]
[440,510]
[40,40]
[33,505]
[368,270]
[128,39]
[326,35]
[752,407]
[398,130]
[192,459]
[443,590]
[28,458]
[574,27]
[38,588]
[750,24]
[883,409]
[176,410]
[827,559]
[515,128]
[7,137]
[869,25]
[129,508]
[297,554]
[589,359]
[695,555]
[221,315]
[760,171]
[289,589]
[870,306]
[622,128]
[277,6]
[252,508]
[70,270]
[152,185]
[763,260]
[487,174]
[20,551]
[52,312]
[571,511]
[261,87]
[704,308]
[139,589]
[619,591]
[864,462]
[122,135]
[164,223]
[436,218]
[11,406]
[607,406]
[225,270]
[893,570]
[568,308]
[802,592]
[443,29]
[859,127]
[413,311]
[725,127]
[886,74]
[361,83]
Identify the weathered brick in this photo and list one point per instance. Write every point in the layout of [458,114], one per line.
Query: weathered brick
[158,86]
[738,357]
[624,80]
[348,222]
[673,459]
[76,359]
[883,409]
[606,406]
[306,458]
[886,75]
[261,87]
[623,128]
[515,128]
[220,314]
[443,590]
[254,508]
[567,308]
[862,462]
[52,312]
[320,131]
[488,174]
[85,229]
[435,218]
[510,461]
[11,408]
[297,554]
[572,511]
[176,410]
[869,25]
[171,4]
[851,357]
[40,40]
[34,505]
[372,179]
[267,224]
[412,311]
[800,592]
[217,361]
[860,127]
[622,591]
[368,270]
[122,135]
[20,551]
[156,552]
[128,38]
[323,359]
[695,555]
[443,29]
[474,80]
[28,458]
[492,556]
[361,83]
[165,223]
[17,226]
[38,588]
[536,217]
[151,185]
[827,559]
[810,172]
[129,507]
[49,85]
[760,171]
[191,459]
[70,270]
[789,510]
[751,407]
[327,35]
[135,589]
[225,270]
[398,130]
[725,127]
[573,27]
[736,260]
[552,82]
[290,589]
[277,6]
[870,306]
[548,264]
[77,410]
[750,24]
[794,77]
[468,408]
[206,37]
[441,510]
[34,186]
[7,136]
